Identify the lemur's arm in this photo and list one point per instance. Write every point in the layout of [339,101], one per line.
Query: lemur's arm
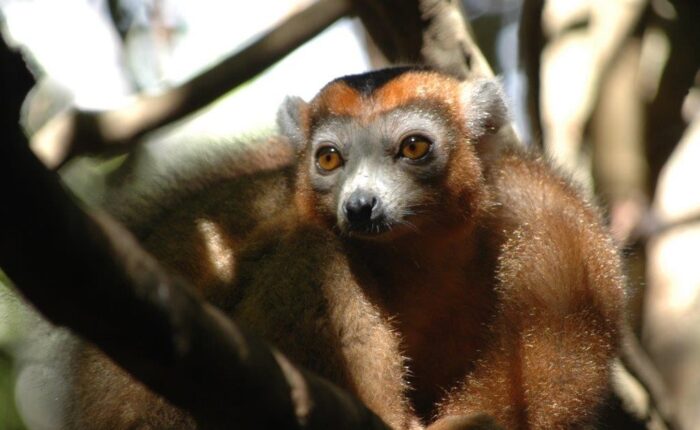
[561,294]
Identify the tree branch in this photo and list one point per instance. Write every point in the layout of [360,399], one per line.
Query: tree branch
[89,274]
[431,32]
[665,124]
[531,43]
[640,366]
[78,132]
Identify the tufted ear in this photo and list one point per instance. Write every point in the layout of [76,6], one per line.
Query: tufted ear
[485,109]
[290,120]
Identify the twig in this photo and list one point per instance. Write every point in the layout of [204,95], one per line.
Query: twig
[650,227]
[638,363]
[80,132]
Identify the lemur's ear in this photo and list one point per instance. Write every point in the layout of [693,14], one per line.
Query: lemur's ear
[289,120]
[485,109]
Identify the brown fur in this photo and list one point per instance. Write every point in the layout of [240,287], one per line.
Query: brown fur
[105,398]
[506,301]
[559,293]
[517,294]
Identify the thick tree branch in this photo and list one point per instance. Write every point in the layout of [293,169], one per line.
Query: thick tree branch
[531,43]
[665,125]
[89,274]
[431,32]
[79,132]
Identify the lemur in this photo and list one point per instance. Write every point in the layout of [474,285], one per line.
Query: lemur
[411,252]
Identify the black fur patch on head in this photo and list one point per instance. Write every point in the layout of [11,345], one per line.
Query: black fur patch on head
[369,82]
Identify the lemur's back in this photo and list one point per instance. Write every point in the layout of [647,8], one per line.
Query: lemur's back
[191,211]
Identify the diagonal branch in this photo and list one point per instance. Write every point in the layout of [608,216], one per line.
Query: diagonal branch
[88,273]
[80,132]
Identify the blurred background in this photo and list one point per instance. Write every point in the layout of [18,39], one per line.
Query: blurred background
[609,89]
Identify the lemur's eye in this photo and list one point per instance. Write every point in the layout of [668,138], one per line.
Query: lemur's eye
[328,158]
[415,147]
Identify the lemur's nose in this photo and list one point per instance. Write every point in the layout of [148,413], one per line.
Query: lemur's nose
[362,207]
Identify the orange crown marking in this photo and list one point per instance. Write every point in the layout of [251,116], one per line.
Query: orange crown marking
[339,99]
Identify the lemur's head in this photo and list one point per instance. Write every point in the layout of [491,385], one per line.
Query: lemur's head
[392,152]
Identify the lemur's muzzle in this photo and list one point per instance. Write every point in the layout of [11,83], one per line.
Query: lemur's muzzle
[364,212]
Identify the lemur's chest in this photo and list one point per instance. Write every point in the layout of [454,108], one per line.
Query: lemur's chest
[440,304]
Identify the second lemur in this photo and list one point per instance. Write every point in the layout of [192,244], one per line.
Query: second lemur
[417,256]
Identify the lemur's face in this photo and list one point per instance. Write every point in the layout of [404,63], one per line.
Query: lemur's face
[381,175]
[388,153]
